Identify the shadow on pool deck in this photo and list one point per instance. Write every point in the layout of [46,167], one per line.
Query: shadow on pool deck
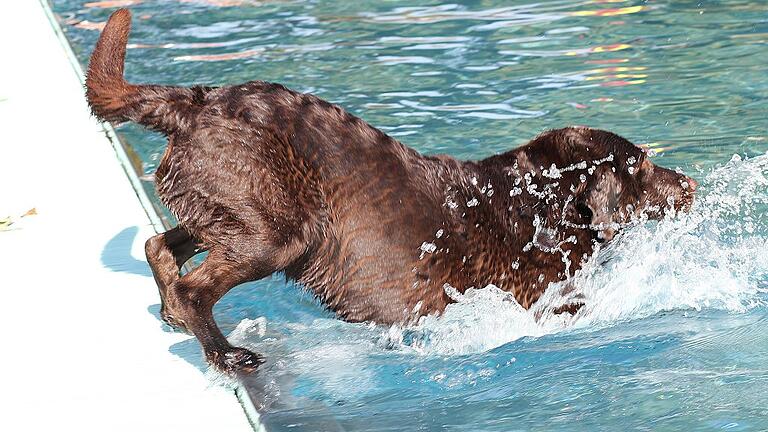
[117,257]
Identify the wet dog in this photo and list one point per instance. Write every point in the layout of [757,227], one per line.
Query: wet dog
[269,180]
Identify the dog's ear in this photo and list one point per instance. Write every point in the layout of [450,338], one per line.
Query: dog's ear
[600,202]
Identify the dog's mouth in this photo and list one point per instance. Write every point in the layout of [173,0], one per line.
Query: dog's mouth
[689,186]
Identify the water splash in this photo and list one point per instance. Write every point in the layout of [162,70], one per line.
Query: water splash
[712,257]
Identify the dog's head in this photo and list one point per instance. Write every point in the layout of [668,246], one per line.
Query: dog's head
[604,181]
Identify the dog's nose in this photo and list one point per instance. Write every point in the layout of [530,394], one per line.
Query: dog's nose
[690,184]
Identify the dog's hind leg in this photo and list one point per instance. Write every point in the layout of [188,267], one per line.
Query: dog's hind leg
[193,296]
[166,253]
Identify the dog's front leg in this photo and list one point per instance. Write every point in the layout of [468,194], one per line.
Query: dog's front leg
[166,253]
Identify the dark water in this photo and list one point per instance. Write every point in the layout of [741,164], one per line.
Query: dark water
[676,334]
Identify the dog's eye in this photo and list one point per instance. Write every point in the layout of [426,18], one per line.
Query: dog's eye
[584,210]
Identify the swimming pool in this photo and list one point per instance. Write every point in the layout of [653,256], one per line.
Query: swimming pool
[675,334]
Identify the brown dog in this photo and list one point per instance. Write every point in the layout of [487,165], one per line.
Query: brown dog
[267,180]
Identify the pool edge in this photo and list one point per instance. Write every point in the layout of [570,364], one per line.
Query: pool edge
[158,223]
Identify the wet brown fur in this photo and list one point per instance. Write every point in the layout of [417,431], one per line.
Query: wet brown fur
[267,180]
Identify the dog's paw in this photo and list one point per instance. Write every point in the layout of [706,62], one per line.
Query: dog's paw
[571,309]
[235,360]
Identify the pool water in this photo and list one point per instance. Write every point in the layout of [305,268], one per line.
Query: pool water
[675,332]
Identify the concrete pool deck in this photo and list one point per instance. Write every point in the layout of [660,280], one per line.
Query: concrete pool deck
[83,348]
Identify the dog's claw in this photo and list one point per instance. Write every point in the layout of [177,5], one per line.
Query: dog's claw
[175,323]
[236,360]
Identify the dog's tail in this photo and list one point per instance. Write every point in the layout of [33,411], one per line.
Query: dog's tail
[161,108]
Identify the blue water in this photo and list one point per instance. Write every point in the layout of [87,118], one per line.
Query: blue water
[675,332]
